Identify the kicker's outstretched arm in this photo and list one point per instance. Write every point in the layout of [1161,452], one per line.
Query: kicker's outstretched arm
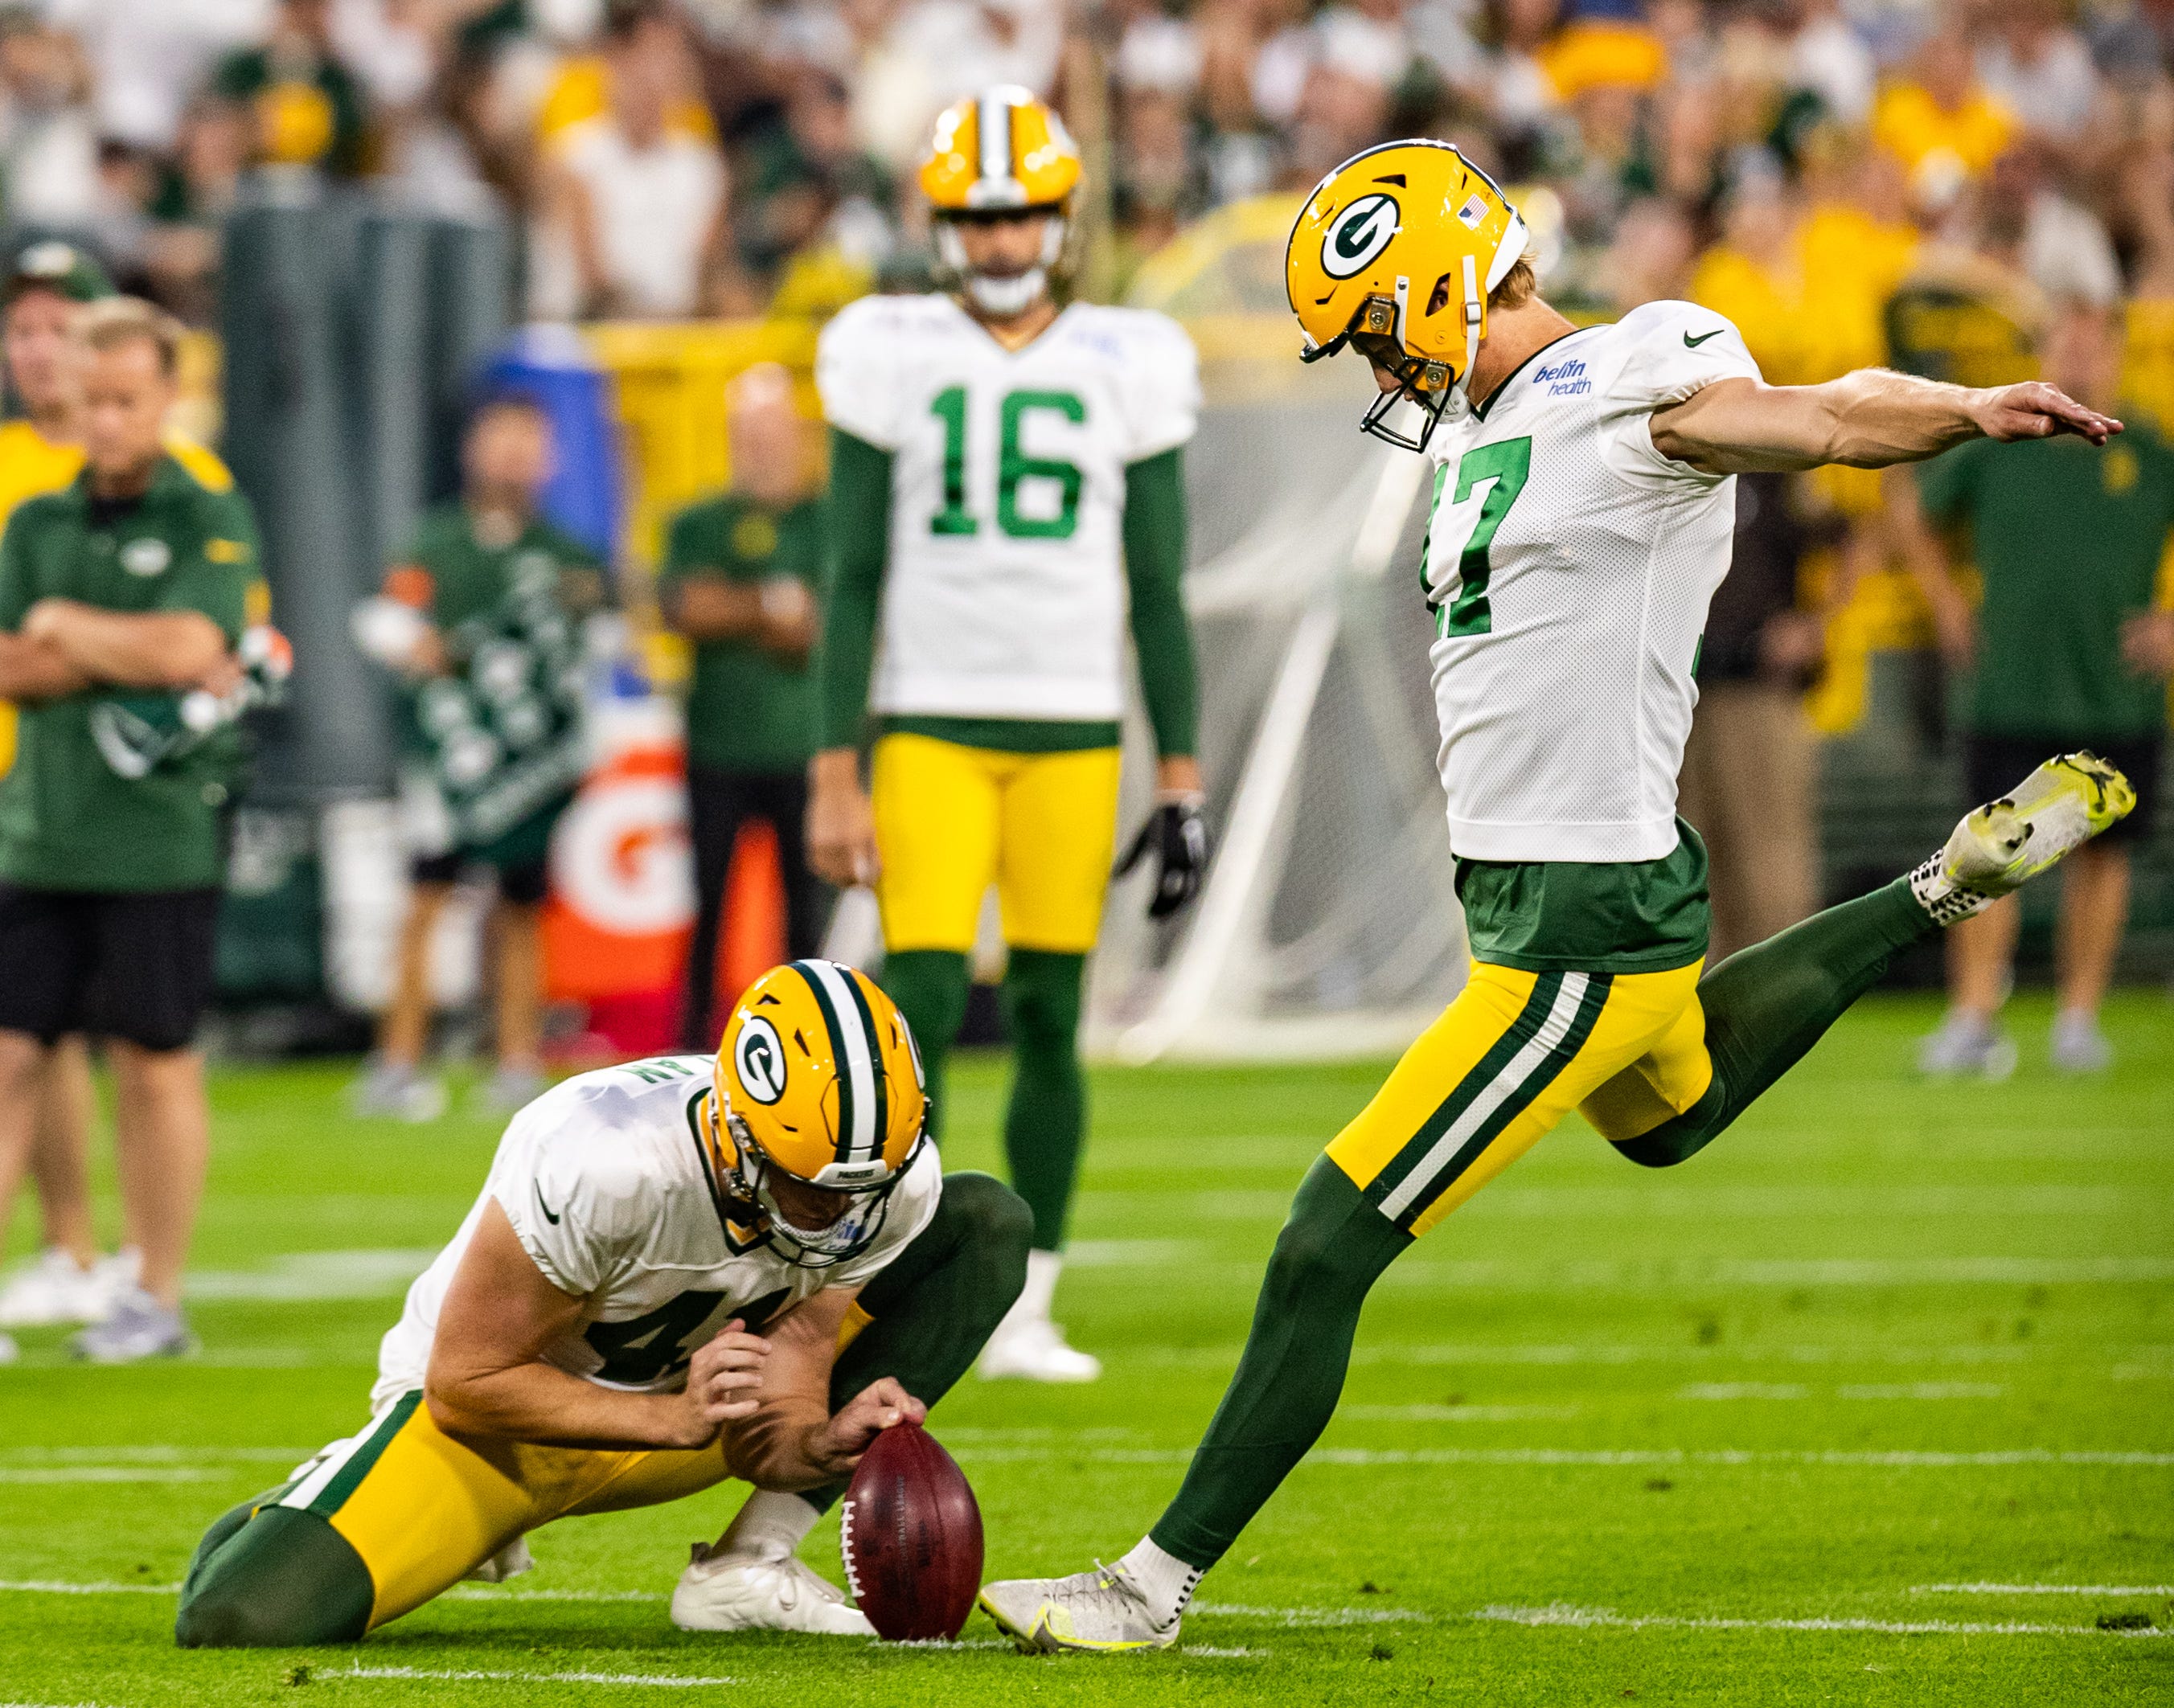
[1871,418]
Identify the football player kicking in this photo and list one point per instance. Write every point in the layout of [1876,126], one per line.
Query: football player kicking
[1006,491]
[679,1271]
[1582,521]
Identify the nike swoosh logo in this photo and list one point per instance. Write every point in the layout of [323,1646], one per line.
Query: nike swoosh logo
[545,1207]
[1692,343]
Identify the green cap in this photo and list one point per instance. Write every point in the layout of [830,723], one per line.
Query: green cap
[55,266]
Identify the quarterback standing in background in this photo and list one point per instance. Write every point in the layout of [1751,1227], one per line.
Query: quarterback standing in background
[679,1271]
[1007,489]
[1582,514]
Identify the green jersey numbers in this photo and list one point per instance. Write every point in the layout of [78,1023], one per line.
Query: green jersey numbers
[1502,469]
[1014,467]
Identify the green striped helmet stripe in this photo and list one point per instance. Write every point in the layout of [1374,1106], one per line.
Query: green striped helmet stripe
[880,1125]
[364,1460]
[857,1055]
[1530,1018]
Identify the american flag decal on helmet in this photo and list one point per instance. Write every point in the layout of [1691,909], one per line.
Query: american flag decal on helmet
[1472,213]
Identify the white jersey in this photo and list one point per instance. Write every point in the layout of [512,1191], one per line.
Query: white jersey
[1570,564]
[604,1181]
[1005,592]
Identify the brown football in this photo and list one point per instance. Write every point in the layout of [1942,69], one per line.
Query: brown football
[912,1536]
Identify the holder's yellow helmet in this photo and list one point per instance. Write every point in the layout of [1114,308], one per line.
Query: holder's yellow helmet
[999,152]
[818,1077]
[1394,253]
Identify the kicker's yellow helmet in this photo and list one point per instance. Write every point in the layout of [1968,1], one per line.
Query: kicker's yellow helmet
[1394,253]
[817,1078]
[998,155]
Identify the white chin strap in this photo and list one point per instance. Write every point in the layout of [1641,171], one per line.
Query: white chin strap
[1001,296]
[1512,248]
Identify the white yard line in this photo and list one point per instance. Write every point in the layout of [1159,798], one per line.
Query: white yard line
[466,1591]
[2122,1357]
[108,1473]
[2043,1589]
[1563,1614]
[1307,1619]
[661,1681]
[43,1586]
[1901,1459]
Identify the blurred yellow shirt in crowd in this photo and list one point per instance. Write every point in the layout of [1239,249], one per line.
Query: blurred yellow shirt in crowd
[580,91]
[1914,128]
[1594,53]
[32,465]
[1818,313]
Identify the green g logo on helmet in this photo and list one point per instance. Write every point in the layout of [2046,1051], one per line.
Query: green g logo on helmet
[1362,232]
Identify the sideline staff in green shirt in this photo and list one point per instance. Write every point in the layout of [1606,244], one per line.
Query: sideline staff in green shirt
[2066,650]
[135,577]
[739,581]
[476,572]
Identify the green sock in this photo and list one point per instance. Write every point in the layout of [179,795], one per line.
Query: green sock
[934,1306]
[1766,1005]
[929,986]
[1329,1253]
[1047,1115]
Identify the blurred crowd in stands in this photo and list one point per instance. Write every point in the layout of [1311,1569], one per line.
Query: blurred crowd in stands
[670,158]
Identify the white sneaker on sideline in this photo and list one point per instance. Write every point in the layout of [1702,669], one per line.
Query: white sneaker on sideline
[508,1091]
[392,1090]
[1966,1047]
[2078,1047]
[48,1289]
[765,1588]
[9,1352]
[1033,1349]
[138,1328]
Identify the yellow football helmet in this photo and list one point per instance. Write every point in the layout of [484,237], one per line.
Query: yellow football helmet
[1000,153]
[1394,253]
[818,1077]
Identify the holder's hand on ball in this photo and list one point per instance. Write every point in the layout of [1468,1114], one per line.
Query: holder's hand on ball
[724,1381]
[838,1444]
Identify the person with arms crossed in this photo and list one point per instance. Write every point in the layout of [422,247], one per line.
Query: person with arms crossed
[2068,648]
[134,579]
[1582,515]
[680,1271]
[40,452]
[1007,488]
[737,582]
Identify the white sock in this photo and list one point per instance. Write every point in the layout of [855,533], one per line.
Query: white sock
[1032,1304]
[769,1521]
[1168,1581]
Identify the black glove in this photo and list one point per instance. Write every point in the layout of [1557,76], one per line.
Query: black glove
[1178,834]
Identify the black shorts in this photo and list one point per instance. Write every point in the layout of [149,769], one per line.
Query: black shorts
[525,883]
[1995,763]
[132,966]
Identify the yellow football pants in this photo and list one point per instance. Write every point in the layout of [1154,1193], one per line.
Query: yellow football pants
[1508,1059]
[951,820]
[424,1510]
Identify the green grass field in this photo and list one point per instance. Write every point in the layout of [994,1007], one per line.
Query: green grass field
[1870,1404]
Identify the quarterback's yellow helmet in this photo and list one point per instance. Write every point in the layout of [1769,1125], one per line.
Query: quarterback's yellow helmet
[818,1077]
[1394,253]
[995,156]
[999,149]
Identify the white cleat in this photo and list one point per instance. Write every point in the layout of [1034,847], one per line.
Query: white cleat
[49,1289]
[510,1561]
[1098,1612]
[766,1588]
[1035,1349]
[2005,843]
